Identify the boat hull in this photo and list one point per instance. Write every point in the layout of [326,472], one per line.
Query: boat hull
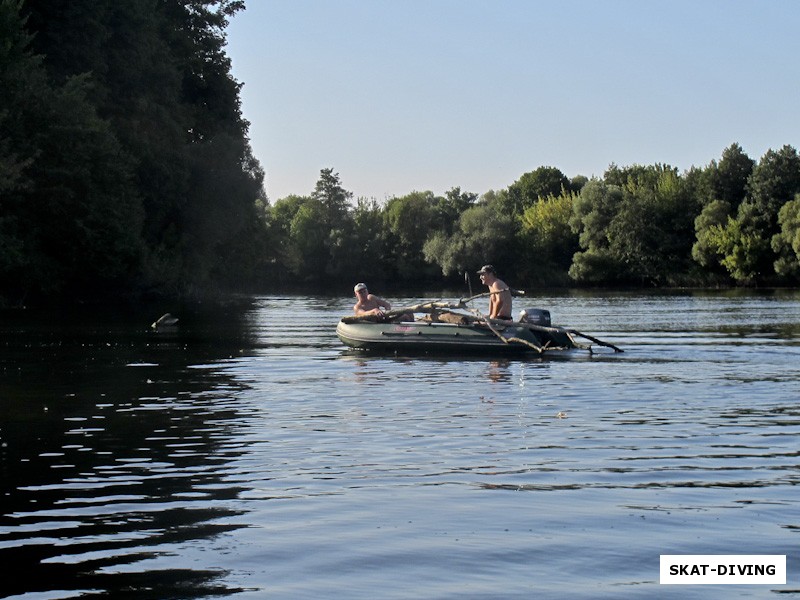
[422,336]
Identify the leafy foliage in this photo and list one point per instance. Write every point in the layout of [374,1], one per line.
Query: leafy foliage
[482,236]
[546,242]
[786,243]
[539,183]
[706,250]
[125,168]
[728,178]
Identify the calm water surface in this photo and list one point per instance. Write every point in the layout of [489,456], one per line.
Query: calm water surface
[246,454]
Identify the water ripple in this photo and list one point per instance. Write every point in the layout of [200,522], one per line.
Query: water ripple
[249,457]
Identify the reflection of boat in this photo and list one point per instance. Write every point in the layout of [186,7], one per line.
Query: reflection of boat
[444,329]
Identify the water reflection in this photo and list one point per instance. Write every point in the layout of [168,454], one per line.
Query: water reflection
[248,452]
[498,371]
[114,448]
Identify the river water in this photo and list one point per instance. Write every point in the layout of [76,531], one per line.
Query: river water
[247,454]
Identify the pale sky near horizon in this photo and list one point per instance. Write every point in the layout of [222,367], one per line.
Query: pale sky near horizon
[405,95]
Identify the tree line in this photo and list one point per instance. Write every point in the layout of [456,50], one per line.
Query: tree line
[126,170]
[125,166]
[733,222]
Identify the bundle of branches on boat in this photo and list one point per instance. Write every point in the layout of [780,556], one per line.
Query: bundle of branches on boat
[460,313]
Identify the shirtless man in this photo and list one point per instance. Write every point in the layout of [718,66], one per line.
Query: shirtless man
[500,298]
[368,304]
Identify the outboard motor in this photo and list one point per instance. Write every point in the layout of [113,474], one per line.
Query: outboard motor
[535,316]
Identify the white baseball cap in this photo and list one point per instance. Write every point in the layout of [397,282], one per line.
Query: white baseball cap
[360,286]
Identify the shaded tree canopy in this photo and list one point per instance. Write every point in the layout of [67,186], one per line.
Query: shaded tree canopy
[128,166]
[125,169]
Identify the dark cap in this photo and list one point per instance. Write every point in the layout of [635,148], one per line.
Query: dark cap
[487,269]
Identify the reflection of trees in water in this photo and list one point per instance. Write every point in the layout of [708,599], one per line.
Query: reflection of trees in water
[113,446]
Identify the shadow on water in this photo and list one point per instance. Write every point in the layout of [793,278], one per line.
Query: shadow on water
[113,441]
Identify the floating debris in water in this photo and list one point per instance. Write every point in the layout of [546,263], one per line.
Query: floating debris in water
[165,320]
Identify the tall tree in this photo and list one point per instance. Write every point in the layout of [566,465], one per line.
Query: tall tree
[369,242]
[546,242]
[333,196]
[773,183]
[746,243]
[158,72]
[481,237]
[539,183]
[409,221]
[337,222]
[786,243]
[74,214]
[728,177]
[592,213]
[708,224]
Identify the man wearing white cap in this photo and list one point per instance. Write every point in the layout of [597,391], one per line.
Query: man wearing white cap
[368,304]
[500,298]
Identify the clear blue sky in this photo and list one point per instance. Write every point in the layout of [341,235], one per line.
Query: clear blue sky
[407,95]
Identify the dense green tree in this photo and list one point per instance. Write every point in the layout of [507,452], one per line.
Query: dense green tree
[592,213]
[672,208]
[642,235]
[450,207]
[333,196]
[546,242]
[481,237]
[310,238]
[156,71]
[635,177]
[369,242]
[786,243]
[314,236]
[740,248]
[20,71]
[70,219]
[22,85]
[723,190]
[635,226]
[745,242]
[539,183]
[124,162]
[728,177]
[774,181]
[285,253]
[576,183]
[409,220]
[224,180]
[708,223]
[338,223]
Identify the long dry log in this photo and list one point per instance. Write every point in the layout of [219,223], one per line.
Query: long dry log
[539,349]
[398,312]
[595,340]
[488,322]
